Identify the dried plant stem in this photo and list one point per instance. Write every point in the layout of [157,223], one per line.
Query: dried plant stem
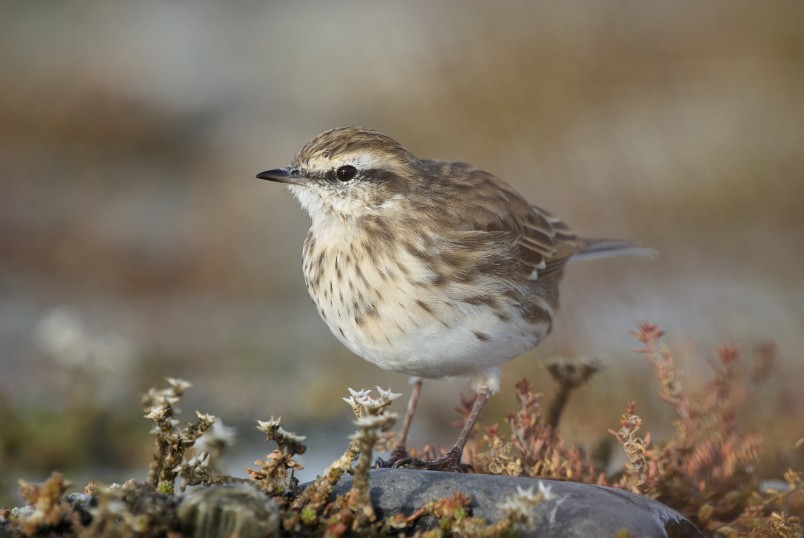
[557,405]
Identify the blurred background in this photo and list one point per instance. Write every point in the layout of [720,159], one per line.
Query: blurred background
[136,243]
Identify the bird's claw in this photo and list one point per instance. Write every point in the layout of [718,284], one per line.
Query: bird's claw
[399,454]
[450,463]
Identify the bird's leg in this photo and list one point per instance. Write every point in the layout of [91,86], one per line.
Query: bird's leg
[480,402]
[452,460]
[400,452]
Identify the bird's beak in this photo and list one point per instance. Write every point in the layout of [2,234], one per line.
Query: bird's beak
[283,175]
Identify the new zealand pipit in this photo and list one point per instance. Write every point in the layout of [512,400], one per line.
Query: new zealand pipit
[428,268]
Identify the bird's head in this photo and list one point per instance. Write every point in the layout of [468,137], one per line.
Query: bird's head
[350,172]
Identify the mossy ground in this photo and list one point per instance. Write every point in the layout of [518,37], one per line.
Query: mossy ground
[708,468]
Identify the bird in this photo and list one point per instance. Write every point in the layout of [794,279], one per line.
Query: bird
[429,268]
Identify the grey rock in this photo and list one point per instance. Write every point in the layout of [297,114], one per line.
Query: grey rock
[580,510]
[232,510]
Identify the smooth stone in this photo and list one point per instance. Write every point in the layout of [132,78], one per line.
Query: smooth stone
[231,510]
[577,510]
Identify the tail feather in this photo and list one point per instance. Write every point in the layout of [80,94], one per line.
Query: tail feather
[594,249]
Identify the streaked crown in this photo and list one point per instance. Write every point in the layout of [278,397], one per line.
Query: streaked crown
[350,171]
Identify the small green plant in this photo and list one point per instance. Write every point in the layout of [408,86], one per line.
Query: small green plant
[314,506]
[171,442]
[276,471]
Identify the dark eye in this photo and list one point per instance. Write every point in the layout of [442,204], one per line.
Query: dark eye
[345,173]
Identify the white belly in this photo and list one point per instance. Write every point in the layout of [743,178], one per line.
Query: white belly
[472,343]
[390,313]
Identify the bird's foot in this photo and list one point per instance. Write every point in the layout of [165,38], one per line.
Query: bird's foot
[450,463]
[399,454]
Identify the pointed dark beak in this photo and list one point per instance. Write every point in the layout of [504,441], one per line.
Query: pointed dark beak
[283,175]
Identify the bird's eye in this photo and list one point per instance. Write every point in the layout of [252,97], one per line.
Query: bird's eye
[346,173]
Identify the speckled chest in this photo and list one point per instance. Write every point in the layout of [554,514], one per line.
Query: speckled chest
[394,307]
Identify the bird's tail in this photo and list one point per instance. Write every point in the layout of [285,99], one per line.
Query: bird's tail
[593,249]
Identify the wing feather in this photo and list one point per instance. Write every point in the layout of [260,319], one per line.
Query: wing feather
[541,242]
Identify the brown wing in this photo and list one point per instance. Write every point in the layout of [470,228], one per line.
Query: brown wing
[549,237]
[540,241]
